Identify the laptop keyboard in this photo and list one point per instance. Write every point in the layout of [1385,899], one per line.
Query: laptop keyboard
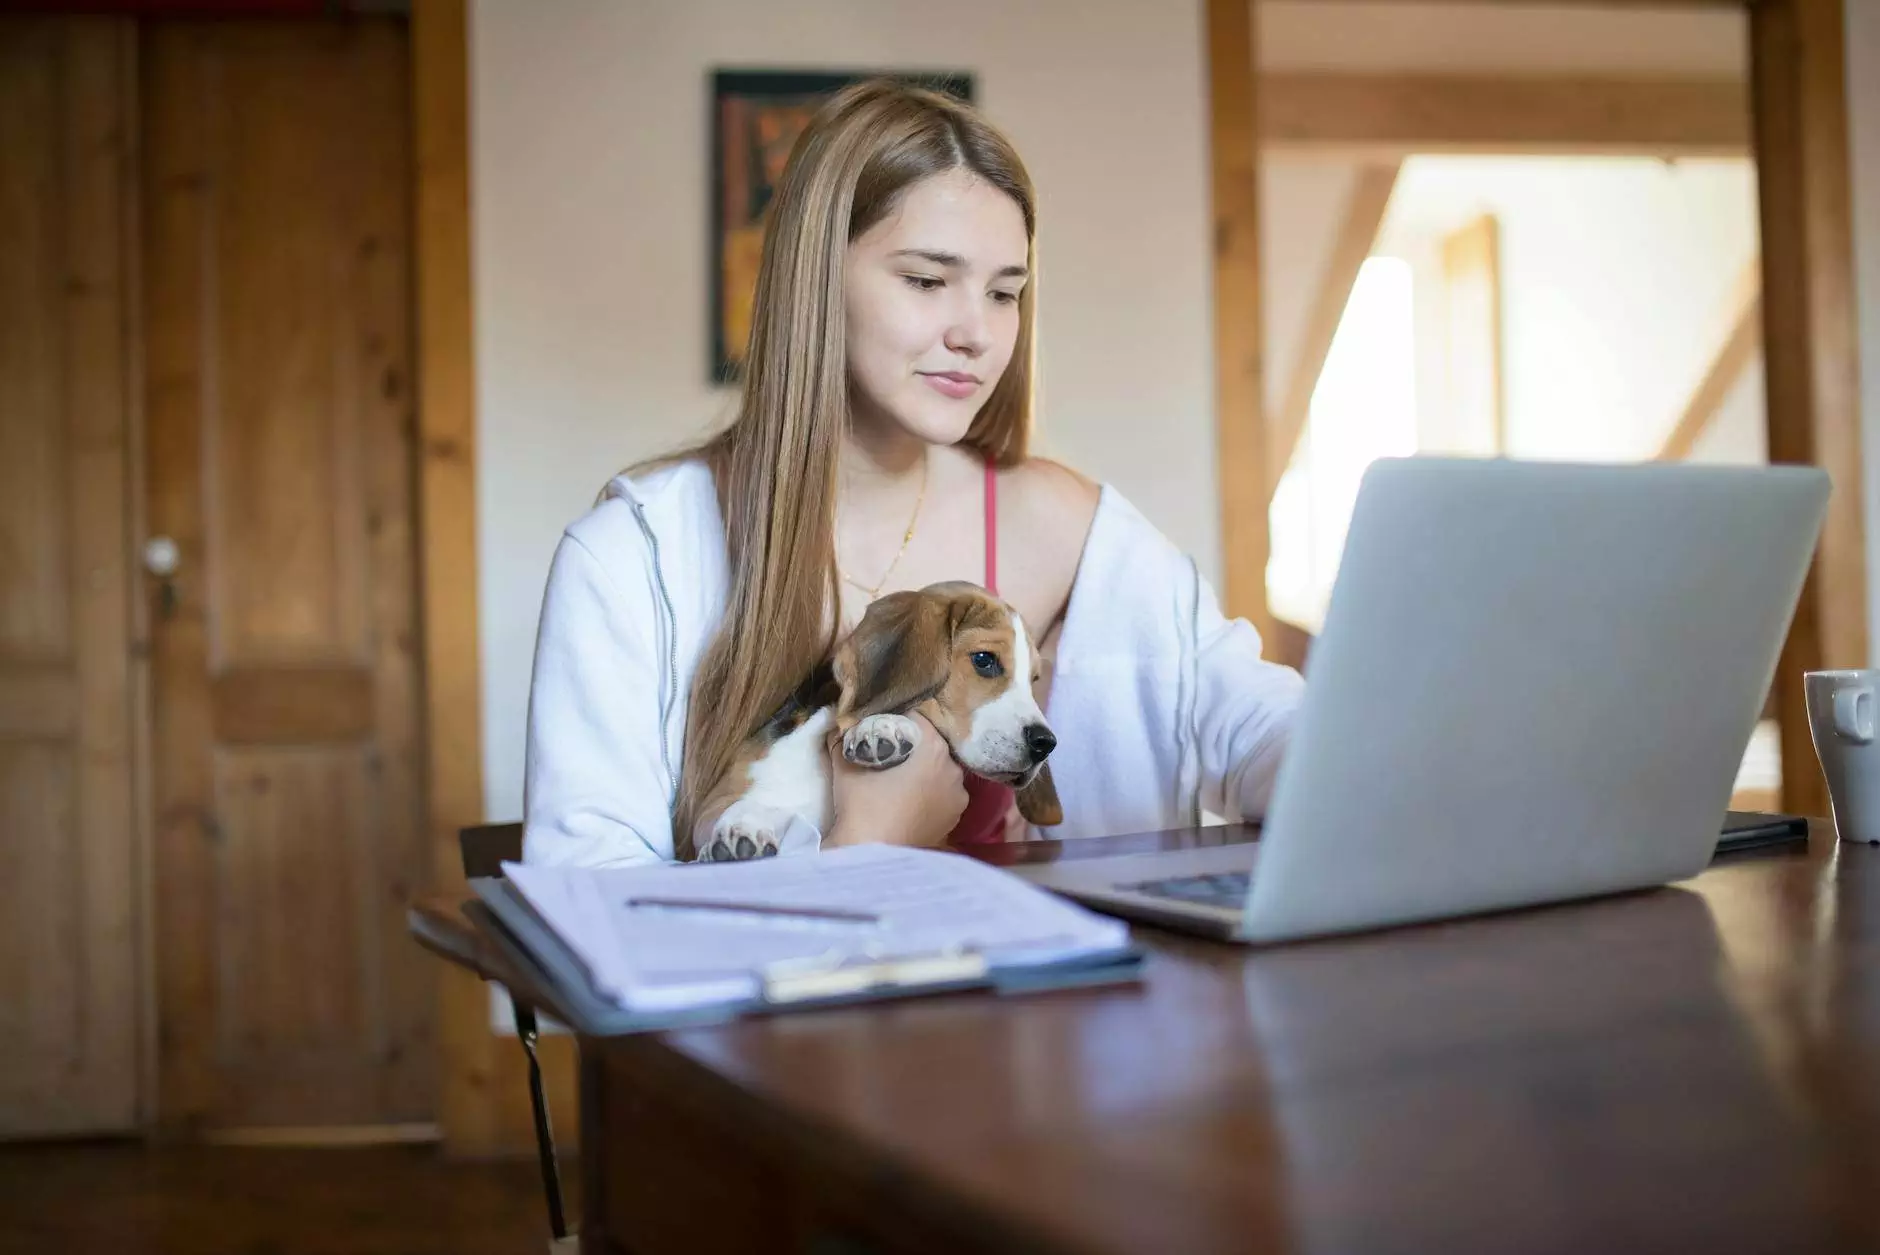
[1226,890]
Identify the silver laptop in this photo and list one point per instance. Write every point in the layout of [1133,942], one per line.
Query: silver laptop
[1535,683]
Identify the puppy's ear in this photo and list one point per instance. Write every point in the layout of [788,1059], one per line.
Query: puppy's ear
[1038,801]
[897,657]
[962,601]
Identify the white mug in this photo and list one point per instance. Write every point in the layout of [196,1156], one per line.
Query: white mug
[1844,719]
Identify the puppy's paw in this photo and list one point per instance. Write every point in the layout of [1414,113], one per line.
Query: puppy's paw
[738,837]
[881,741]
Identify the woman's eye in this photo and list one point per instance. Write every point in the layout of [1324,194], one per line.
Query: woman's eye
[923,283]
[1005,298]
[987,664]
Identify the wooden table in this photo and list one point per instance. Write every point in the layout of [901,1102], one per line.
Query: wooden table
[1691,1069]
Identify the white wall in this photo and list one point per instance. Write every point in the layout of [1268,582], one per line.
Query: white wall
[590,173]
[1303,202]
[1863,112]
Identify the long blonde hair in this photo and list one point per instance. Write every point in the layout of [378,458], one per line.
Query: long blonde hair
[775,465]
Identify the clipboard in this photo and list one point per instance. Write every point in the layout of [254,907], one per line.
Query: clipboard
[556,980]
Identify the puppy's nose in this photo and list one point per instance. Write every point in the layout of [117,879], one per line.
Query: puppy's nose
[1039,741]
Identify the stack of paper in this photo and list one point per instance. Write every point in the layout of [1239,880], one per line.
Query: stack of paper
[671,936]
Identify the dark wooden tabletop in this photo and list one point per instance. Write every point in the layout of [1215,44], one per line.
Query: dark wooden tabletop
[1695,1068]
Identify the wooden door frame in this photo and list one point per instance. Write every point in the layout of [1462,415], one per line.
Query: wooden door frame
[482,1098]
[1798,128]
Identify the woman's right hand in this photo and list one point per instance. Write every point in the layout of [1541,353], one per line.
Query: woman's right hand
[916,802]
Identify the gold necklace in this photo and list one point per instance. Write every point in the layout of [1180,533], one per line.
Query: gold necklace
[912,522]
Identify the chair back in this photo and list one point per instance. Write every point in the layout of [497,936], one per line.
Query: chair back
[487,847]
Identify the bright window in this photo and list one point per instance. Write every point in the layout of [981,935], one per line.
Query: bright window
[1363,408]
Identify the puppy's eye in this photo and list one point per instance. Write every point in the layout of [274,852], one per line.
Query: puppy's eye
[987,663]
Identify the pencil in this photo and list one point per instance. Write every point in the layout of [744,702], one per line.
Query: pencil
[753,908]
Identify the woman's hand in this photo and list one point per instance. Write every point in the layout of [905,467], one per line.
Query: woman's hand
[916,802]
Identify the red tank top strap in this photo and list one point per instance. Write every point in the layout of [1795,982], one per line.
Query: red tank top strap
[987,801]
[992,528]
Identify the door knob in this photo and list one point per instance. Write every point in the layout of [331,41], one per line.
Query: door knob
[162,557]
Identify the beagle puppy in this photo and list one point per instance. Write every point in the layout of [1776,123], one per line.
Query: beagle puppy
[952,653]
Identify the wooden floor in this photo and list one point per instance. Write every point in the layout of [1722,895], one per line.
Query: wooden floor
[406,1200]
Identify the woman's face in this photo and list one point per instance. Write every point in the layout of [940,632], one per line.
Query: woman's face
[932,293]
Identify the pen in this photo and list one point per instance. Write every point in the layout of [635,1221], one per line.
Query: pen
[753,908]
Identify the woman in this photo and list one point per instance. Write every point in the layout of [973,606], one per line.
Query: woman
[880,444]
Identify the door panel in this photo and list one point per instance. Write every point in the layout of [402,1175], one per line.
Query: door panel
[68,943]
[289,832]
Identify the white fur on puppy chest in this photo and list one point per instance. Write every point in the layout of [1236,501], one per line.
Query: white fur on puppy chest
[794,776]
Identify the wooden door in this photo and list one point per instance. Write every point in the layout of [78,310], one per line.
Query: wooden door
[68,940]
[289,832]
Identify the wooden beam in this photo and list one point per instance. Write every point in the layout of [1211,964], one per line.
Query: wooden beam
[483,1106]
[1742,340]
[1798,88]
[1398,114]
[1472,343]
[1364,214]
[1240,429]
[447,422]
[1738,5]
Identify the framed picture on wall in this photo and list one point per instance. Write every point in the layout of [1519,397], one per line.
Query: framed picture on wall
[756,118]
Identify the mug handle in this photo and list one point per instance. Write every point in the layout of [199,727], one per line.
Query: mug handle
[1853,714]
